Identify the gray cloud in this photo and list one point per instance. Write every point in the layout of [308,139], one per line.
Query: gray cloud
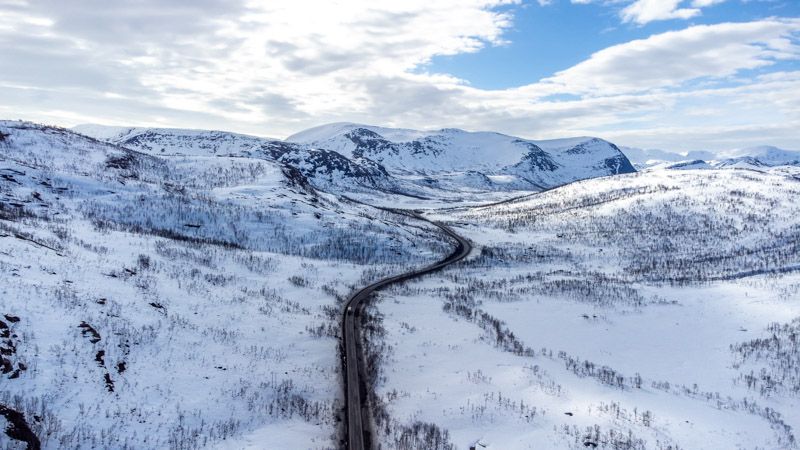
[137,22]
[276,67]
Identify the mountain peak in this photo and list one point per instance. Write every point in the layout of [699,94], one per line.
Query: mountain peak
[450,150]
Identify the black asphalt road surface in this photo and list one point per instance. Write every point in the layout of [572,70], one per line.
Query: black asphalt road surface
[355,391]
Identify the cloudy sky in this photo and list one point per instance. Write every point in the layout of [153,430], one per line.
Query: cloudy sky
[670,74]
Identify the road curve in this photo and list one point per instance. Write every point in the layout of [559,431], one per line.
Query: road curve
[355,392]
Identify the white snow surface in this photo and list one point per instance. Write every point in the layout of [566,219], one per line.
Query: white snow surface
[450,160]
[172,141]
[562,330]
[322,133]
[450,148]
[214,287]
[756,158]
[649,310]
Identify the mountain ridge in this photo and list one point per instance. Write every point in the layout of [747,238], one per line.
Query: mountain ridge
[757,157]
[544,163]
[323,167]
[395,158]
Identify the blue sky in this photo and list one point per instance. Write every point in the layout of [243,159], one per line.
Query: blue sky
[677,75]
[546,39]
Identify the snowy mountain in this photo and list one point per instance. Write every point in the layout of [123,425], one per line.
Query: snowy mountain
[194,197]
[175,302]
[756,158]
[766,155]
[344,156]
[323,168]
[528,163]
[185,289]
[655,310]
[648,158]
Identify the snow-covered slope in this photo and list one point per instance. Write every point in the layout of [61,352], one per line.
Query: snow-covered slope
[756,158]
[323,168]
[322,133]
[767,155]
[172,141]
[191,297]
[343,156]
[649,158]
[238,199]
[64,151]
[537,163]
[655,310]
[182,302]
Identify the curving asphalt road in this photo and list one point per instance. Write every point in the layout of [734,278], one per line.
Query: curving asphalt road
[355,391]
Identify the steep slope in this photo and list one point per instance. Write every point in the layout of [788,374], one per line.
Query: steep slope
[61,150]
[582,158]
[656,310]
[447,164]
[182,302]
[534,164]
[648,158]
[173,141]
[258,202]
[756,158]
[323,133]
[324,168]
[767,155]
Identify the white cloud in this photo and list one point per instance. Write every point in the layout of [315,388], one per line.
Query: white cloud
[225,57]
[706,3]
[274,68]
[645,11]
[672,58]
[642,12]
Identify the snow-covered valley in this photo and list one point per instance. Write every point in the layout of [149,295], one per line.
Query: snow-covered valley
[181,302]
[654,310]
[185,289]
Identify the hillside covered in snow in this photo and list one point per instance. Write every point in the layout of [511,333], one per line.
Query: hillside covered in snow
[176,302]
[649,311]
[492,158]
[760,158]
[417,163]
[185,289]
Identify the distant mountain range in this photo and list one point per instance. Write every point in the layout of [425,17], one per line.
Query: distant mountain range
[423,163]
[501,159]
[189,286]
[324,168]
[759,157]
[401,160]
